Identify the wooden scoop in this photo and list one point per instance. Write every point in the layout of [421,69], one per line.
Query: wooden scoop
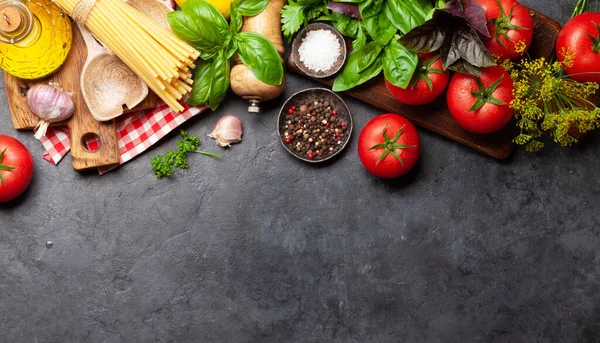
[107,83]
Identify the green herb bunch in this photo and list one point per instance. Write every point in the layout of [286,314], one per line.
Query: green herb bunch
[546,100]
[163,165]
[201,25]
[375,27]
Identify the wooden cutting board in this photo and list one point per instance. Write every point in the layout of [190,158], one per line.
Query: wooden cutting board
[81,123]
[435,116]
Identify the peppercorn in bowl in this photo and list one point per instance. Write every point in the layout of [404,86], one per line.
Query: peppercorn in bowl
[314,125]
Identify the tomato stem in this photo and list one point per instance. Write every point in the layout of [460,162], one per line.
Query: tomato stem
[390,146]
[423,70]
[484,95]
[3,167]
[595,40]
[503,24]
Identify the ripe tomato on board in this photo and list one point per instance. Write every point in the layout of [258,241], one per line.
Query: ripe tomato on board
[579,42]
[481,105]
[16,168]
[389,146]
[427,83]
[510,26]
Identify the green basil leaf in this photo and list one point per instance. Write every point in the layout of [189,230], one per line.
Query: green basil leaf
[208,55]
[347,25]
[261,57]
[407,15]
[185,26]
[250,8]
[361,39]
[197,32]
[380,28]
[219,81]
[370,8]
[231,49]
[399,64]
[235,19]
[308,2]
[202,83]
[358,61]
[207,13]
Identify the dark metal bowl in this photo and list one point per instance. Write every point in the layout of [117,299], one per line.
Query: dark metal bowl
[315,93]
[337,65]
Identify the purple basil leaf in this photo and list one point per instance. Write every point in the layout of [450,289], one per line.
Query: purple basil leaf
[425,38]
[470,11]
[475,15]
[462,66]
[346,8]
[449,53]
[471,48]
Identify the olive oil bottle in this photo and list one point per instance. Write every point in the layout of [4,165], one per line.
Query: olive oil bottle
[35,37]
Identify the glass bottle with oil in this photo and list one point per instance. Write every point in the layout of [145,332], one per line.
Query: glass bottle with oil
[35,37]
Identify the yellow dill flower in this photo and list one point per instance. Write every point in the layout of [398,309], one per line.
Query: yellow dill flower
[546,101]
[568,56]
[520,47]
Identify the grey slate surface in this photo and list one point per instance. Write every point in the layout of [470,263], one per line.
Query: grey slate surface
[259,247]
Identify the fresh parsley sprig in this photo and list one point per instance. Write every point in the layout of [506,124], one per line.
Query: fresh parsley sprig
[163,165]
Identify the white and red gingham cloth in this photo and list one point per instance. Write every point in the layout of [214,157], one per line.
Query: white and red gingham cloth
[136,133]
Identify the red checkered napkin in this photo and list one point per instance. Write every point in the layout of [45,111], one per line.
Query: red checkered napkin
[135,133]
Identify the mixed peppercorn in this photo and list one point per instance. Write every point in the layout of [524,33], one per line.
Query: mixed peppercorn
[314,130]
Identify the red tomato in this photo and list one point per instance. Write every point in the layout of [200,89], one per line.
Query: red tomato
[580,39]
[427,83]
[389,146]
[510,26]
[481,105]
[16,168]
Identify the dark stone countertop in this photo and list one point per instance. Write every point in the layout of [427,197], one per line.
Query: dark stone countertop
[260,247]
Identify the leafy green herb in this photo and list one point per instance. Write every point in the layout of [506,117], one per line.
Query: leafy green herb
[357,68]
[260,56]
[235,19]
[399,64]
[405,16]
[250,8]
[297,13]
[200,24]
[163,165]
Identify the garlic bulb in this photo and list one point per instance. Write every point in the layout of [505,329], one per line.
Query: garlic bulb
[227,131]
[51,104]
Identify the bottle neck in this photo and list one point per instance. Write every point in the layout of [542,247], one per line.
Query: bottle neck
[16,21]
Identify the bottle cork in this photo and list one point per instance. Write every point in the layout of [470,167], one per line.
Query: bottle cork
[10,19]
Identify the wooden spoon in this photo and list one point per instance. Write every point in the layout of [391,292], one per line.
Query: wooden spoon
[107,83]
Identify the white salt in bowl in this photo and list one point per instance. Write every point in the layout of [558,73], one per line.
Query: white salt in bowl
[319,50]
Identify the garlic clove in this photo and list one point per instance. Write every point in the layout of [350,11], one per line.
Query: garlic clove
[51,104]
[227,131]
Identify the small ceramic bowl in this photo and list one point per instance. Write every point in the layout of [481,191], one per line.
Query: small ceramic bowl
[310,95]
[337,65]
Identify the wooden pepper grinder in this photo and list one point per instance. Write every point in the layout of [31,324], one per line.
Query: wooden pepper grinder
[243,82]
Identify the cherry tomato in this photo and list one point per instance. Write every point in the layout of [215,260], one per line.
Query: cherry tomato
[16,168]
[481,105]
[427,83]
[510,26]
[389,146]
[579,42]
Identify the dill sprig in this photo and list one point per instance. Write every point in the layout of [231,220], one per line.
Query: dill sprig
[546,100]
